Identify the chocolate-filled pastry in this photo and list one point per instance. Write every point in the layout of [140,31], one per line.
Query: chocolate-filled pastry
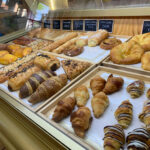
[110,43]
[99,103]
[74,68]
[64,108]
[148,93]
[113,84]
[48,88]
[47,62]
[136,88]
[81,95]
[73,50]
[145,115]
[81,120]
[124,113]
[114,137]
[34,81]
[17,80]
[138,139]
[97,84]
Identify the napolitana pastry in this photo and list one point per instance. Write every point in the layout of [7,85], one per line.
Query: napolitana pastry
[17,80]
[110,43]
[145,115]
[97,84]
[136,88]
[113,84]
[145,61]
[138,139]
[81,120]
[114,137]
[74,68]
[127,53]
[96,38]
[34,81]
[81,95]
[48,88]
[99,104]
[124,114]
[148,93]
[64,108]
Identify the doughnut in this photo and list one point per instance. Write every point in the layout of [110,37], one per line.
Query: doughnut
[127,53]
[145,60]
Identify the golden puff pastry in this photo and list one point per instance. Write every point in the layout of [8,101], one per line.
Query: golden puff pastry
[97,84]
[7,59]
[99,103]
[3,52]
[81,120]
[81,95]
[124,113]
[145,61]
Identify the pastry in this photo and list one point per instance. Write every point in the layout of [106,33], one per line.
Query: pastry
[26,51]
[97,84]
[33,32]
[48,88]
[82,41]
[127,53]
[145,61]
[34,81]
[18,79]
[145,115]
[99,103]
[124,114]
[143,40]
[74,68]
[97,37]
[3,47]
[46,61]
[113,84]
[81,120]
[110,43]
[61,41]
[114,137]
[13,47]
[3,52]
[73,50]
[81,95]
[7,59]
[64,108]
[136,88]
[148,93]
[138,139]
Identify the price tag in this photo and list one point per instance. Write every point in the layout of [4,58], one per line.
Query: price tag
[66,24]
[77,24]
[47,24]
[106,24]
[146,27]
[56,24]
[90,25]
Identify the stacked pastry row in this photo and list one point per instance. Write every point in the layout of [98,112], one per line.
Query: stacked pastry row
[9,53]
[35,77]
[134,51]
[81,118]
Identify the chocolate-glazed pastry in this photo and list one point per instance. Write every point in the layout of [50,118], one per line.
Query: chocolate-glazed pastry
[138,139]
[114,137]
[136,88]
[123,114]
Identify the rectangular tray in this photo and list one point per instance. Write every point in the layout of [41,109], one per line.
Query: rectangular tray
[14,95]
[95,134]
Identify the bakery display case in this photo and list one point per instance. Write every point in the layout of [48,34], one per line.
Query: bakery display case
[75,75]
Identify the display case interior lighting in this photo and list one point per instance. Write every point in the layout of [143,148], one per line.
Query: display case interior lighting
[58,4]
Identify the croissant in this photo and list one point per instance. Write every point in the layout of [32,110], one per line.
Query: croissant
[124,113]
[113,84]
[63,108]
[138,139]
[99,103]
[97,84]
[81,120]
[48,88]
[34,81]
[145,115]
[18,79]
[81,95]
[114,137]
[136,89]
